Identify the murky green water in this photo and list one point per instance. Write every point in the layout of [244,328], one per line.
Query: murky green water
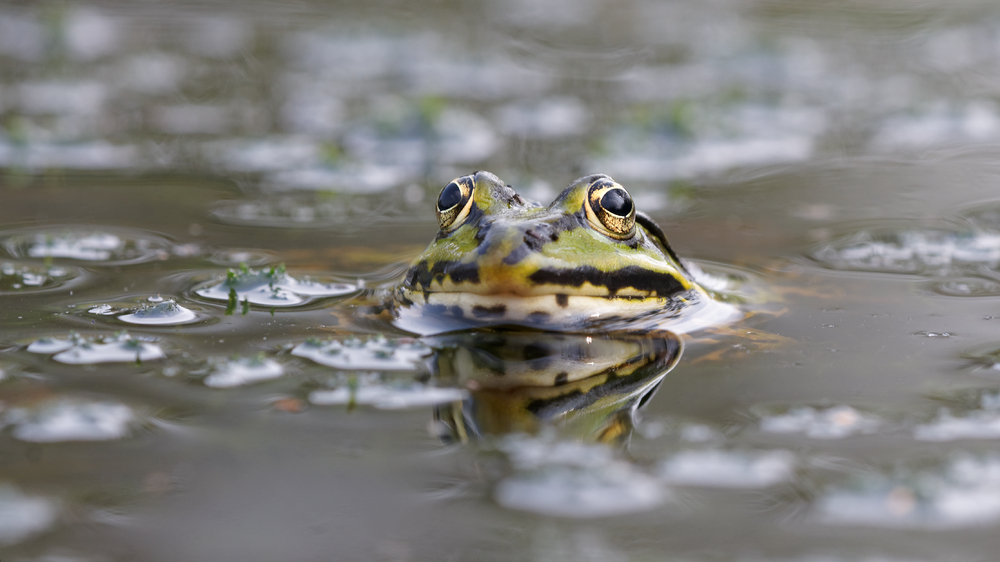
[836,160]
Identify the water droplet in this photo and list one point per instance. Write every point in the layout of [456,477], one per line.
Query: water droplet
[271,287]
[164,313]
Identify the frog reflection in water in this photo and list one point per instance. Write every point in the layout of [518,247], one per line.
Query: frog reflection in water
[589,261]
[589,387]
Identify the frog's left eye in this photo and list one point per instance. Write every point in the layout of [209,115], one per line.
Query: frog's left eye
[453,202]
[610,209]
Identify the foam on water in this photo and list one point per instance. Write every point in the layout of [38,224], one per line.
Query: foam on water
[270,287]
[119,348]
[388,397]
[165,313]
[374,354]
[964,492]
[572,479]
[242,371]
[835,422]
[68,419]
[23,516]
[26,278]
[728,469]
[930,251]
[117,247]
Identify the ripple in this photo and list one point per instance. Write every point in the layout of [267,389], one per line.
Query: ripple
[728,469]
[247,370]
[374,354]
[835,422]
[964,492]
[22,516]
[269,287]
[111,247]
[77,350]
[68,419]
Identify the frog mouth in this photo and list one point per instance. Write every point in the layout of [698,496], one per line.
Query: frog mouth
[436,312]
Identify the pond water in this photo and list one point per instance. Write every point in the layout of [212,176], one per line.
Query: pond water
[203,202]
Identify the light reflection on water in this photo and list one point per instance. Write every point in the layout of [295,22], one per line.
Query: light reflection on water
[759,134]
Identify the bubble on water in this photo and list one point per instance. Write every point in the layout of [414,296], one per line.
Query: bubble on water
[103,310]
[22,516]
[119,348]
[374,354]
[388,397]
[834,422]
[965,492]
[270,287]
[728,469]
[71,420]
[165,313]
[245,370]
[926,334]
[24,278]
[928,251]
[91,246]
[572,479]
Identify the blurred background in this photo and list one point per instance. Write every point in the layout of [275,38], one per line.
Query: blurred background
[838,156]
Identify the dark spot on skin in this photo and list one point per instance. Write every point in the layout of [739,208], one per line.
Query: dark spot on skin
[536,237]
[495,310]
[633,276]
[534,351]
[421,276]
[538,316]
[562,378]
[435,309]
[562,300]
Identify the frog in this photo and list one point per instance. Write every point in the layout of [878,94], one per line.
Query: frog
[590,260]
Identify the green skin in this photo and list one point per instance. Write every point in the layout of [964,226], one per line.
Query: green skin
[504,246]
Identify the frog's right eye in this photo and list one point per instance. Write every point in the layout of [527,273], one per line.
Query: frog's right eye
[454,202]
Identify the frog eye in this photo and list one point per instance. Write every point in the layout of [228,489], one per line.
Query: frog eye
[453,202]
[610,208]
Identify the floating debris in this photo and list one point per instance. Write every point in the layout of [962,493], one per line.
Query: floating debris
[71,420]
[728,469]
[980,422]
[269,287]
[572,479]
[374,354]
[119,348]
[834,422]
[241,371]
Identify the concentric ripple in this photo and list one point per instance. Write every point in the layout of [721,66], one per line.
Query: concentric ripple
[18,277]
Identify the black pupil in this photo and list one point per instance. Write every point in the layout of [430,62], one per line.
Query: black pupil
[450,196]
[618,202]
